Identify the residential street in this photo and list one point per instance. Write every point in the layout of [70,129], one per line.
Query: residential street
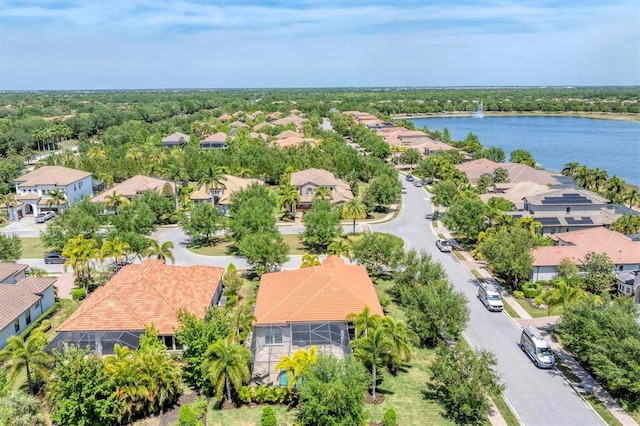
[539,397]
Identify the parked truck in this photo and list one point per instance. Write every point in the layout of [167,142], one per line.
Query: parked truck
[488,295]
[534,345]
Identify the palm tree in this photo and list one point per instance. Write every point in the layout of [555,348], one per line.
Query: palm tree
[354,209]
[296,365]
[135,154]
[211,178]
[627,224]
[242,322]
[160,251]
[598,178]
[96,153]
[116,248]
[57,198]
[115,200]
[161,378]
[401,339]
[289,198]
[322,193]
[79,252]
[562,294]
[174,172]
[581,176]
[375,350]
[29,356]
[9,201]
[106,178]
[364,321]
[121,368]
[340,248]
[227,364]
[570,168]
[309,260]
[632,197]
[615,187]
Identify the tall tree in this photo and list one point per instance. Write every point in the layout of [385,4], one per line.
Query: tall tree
[354,210]
[79,253]
[116,248]
[598,272]
[27,355]
[297,365]
[289,198]
[160,251]
[364,321]
[340,248]
[374,350]
[10,248]
[57,197]
[211,178]
[309,260]
[466,216]
[321,225]
[322,193]
[115,200]
[227,365]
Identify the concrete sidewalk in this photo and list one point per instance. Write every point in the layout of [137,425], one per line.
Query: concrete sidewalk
[586,384]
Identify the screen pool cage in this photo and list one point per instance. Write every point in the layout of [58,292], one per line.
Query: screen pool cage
[100,342]
[271,342]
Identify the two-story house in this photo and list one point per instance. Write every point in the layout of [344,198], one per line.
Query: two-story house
[221,196]
[23,299]
[309,180]
[32,190]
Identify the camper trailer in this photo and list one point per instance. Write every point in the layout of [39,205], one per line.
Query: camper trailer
[489,296]
[532,343]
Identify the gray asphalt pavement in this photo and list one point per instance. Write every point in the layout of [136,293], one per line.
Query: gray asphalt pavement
[539,397]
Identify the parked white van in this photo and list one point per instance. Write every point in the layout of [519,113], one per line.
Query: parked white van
[489,296]
[532,343]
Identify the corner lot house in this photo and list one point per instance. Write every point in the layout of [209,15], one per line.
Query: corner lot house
[575,245]
[22,299]
[138,296]
[308,307]
[309,180]
[32,189]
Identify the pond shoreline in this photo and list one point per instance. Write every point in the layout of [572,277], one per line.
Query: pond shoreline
[595,116]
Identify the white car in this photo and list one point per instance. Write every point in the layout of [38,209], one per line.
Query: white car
[443,245]
[404,191]
[43,217]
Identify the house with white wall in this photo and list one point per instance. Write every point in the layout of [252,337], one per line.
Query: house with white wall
[22,299]
[32,190]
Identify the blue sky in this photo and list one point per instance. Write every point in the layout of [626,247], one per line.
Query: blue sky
[129,44]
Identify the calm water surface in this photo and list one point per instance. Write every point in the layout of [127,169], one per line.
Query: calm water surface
[554,141]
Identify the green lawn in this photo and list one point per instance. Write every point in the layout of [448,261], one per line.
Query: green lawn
[537,312]
[602,410]
[32,248]
[223,247]
[249,416]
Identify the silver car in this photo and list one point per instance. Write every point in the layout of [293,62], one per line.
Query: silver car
[443,245]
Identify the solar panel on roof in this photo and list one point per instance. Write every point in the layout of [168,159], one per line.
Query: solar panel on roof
[548,220]
[579,221]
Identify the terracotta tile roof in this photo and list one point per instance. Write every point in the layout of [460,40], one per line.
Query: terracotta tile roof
[17,298]
[176,138]
[51,175]
[28,196]
[134,186]
[225,117]
[149,292]
[261,125]
[274,115]
[291,119]
[328,292]
[10,269]
[230,183]
[576,244]
[293,141]
[341,189]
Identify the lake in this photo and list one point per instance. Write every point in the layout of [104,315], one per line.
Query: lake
[554,141]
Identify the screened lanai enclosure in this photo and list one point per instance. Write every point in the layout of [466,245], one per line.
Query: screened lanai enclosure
[269,343]
[100,342]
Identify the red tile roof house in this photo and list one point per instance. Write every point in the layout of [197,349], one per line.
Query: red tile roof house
[137,296]
[575,245]
[32,189]
[22,299]
[175,139]
[517,172]
[307,307]
[309,180]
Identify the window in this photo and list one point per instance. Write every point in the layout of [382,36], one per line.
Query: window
[37,305]
[309,191]
[273,336]
[27,317]
[568,209]
[16,325]
[620,267]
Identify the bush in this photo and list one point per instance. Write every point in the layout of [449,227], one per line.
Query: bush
[214,404]
[199,406]
[518,294]
[531,290]
[245,394]
[232,300]
[389,418]
[78,294]
[45,326]
[268,417]
[187,417]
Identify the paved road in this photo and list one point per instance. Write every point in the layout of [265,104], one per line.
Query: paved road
[539,397]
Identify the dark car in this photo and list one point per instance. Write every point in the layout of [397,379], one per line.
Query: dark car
[54,258]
